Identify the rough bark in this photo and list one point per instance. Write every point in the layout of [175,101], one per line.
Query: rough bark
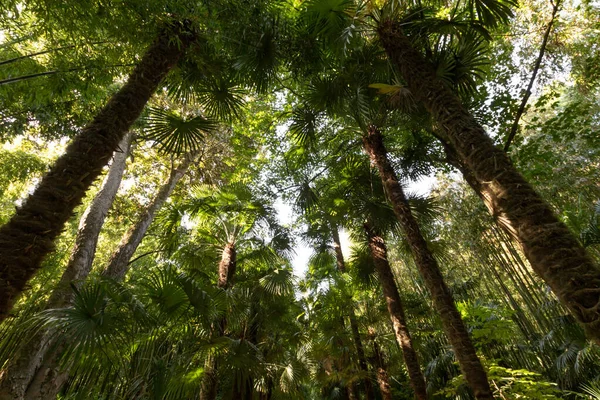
[119,262]
[227,266]
[378,251]
[29,236]
[18,375]
[552,250]
[49,378]
[226,272]
[360,352]
[429,270]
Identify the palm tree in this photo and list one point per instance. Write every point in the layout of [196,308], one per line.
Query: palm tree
[229,218]
[429,269]
[47,378]
[553,251]
[17,377]
[378,251]
[28,237]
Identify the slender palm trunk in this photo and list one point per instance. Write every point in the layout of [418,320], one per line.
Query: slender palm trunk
[429,269]
[553,251]
[49,378]
[360,352]
[29,236]
[18,375]
[227,267]
[378,252]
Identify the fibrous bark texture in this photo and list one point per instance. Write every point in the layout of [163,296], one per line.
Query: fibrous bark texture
[29,236]
[552,250]
[18,375]
[49,378]
[378,251]
[227,267]
[429,269]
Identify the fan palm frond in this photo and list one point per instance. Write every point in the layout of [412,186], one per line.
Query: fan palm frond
[175,134]
[278,282]
[221,97]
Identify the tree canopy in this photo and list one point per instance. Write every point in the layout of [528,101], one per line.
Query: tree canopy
[319,199]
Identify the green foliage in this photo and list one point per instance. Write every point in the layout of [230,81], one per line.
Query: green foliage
[513,384]
[175,134]
[488,324]
[277,96]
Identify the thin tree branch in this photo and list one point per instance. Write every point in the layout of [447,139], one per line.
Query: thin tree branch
[536,68]
[142,255]
[25,77]
[39,53]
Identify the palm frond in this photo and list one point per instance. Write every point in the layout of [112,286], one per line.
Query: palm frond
[175,134]
[221,97]
[278,282]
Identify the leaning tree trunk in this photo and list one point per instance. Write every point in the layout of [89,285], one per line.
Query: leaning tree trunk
[18,375]
[362,360]
[553,251]
[378,251]
[119,262]
[428,268]
[49,377]
[227,267]
[29,236]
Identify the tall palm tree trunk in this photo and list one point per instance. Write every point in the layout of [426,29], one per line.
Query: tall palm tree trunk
[360,351]
[19,373]
[429,269]
[227,267]
[29,235]
[378,251]
[553,251]
[49,378]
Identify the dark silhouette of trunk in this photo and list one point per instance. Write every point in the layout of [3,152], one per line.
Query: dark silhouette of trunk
[378,251]
[49,378]
[553,251]
[360,352]
[428,268]
[18,375]
[378,362]
[29,235]
[227,267]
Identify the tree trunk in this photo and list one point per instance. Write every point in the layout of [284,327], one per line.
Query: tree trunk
[119,262]
[29,236]
[383,378]
[227,267]
[18,375]
[428,268]
[362,360]
[378,252]
[49,378]
[553,251]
